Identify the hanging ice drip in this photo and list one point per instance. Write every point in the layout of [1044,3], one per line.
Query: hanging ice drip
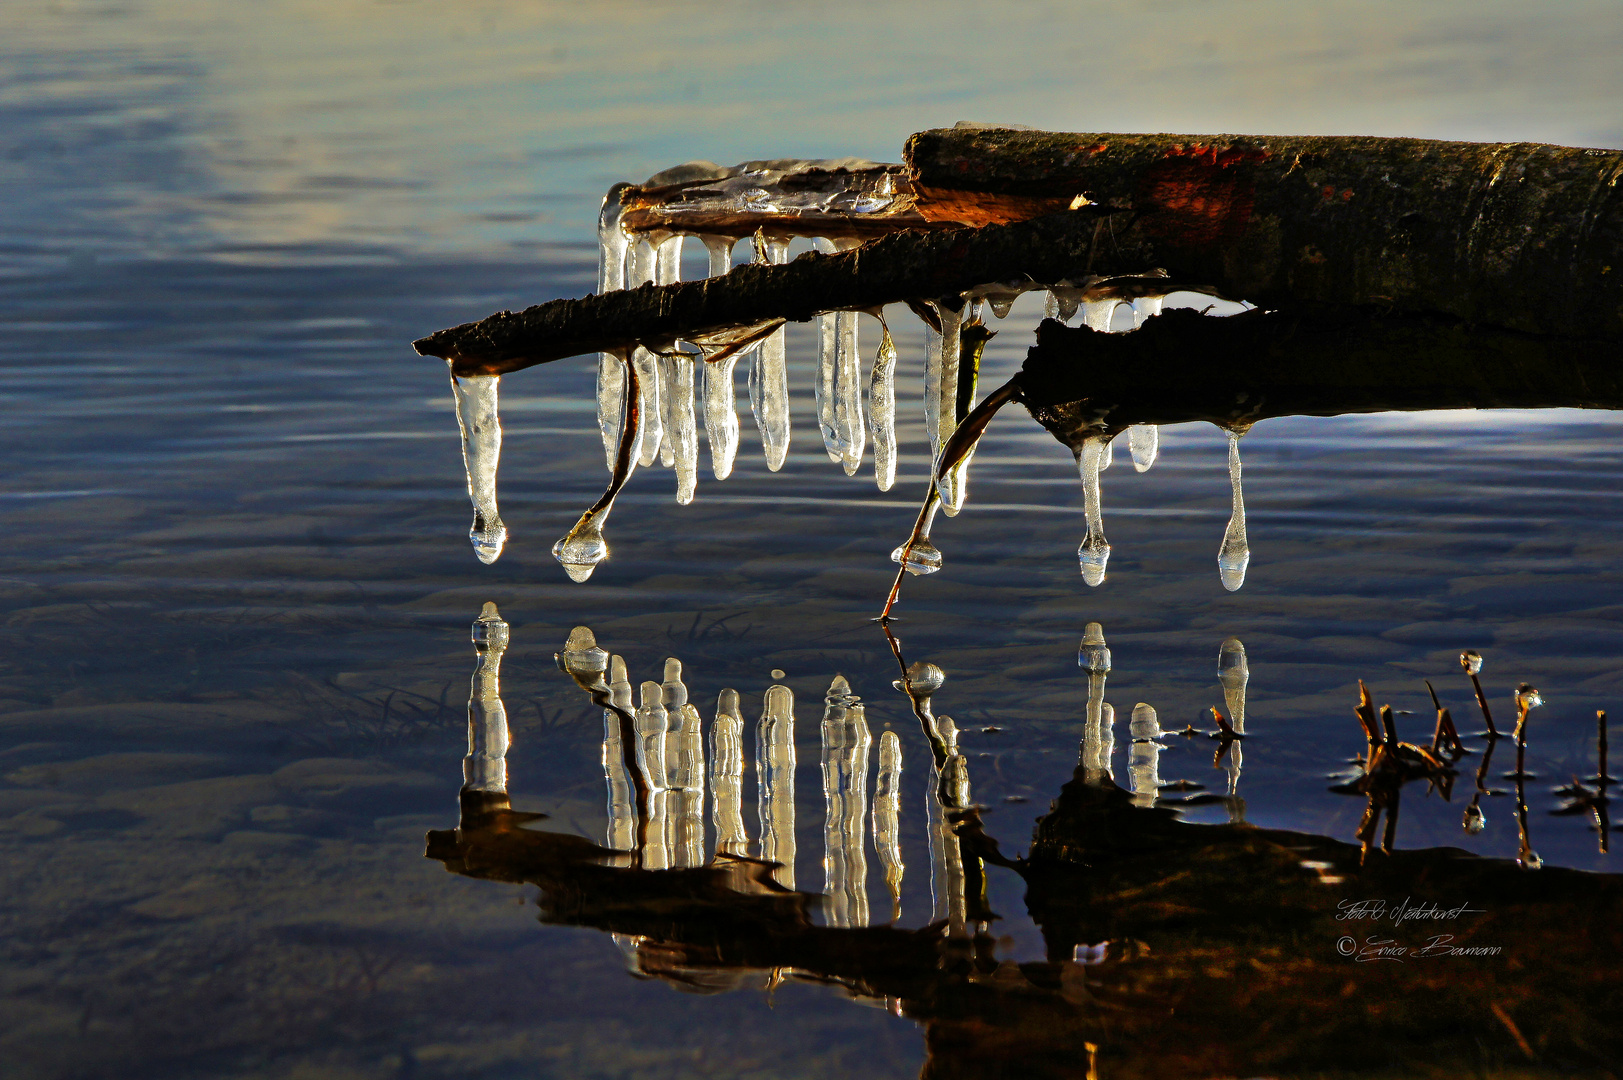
[481,454]
[1235,554]
[1094,553]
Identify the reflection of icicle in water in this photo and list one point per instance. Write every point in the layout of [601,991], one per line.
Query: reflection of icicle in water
[684,769]
[481,453]
[941,397]
[720,416]
[1233,674]
[949,790]
[775,775]
[769,374]
[1095,550]
[920,555]
[882,411]
[651,720]
[622,832]
[1144,755]
[1094,657]
[1235,554]
[727,775]
[1144,443]
[887,811]
[613,244]
[485,767]
[845,797]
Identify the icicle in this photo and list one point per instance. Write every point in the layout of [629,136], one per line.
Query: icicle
[775,775]
[1108,455]
[921,556]
[485,767]
[584,547]
[1145,307]
[727,776]
[941,398]
[613,244]
[681,432]
[667,254]
[845,797]
[720,417]
[887,813]
[769,374]
[1095,550]
[1235,554]
[481,452]
[684,768]
[882,410]
[639,271]
[823,388]
[651,728]
[1144,756]
[850,425]
[1062,303]
[1144,443]
[1096,314]
[622,834]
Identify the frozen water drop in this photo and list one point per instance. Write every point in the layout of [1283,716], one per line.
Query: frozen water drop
[1144,443]
[1235,554]
[582,550]
[918,555]
[1475,819]
[925,677]
[1471,661]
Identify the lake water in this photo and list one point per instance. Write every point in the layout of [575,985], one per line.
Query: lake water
[237,587]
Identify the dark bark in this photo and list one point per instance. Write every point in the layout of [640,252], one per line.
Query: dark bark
[1519,235]
[1319,361]
[891,269]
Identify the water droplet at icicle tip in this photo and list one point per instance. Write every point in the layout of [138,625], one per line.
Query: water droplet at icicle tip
[583,549]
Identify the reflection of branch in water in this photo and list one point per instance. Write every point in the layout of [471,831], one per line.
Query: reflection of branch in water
[1178,905]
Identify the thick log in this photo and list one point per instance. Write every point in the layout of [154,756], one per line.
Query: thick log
[1518,235]
[1312,360]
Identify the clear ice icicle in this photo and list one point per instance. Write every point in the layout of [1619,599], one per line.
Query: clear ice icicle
[1145,307]
[1096,314]
[1062,303]
[769,373]
[681,432]
[1095,550]
[887,813]
[1144,443]
[941,399]
[1108,456]
[882,411]
[1235,554]
[481,453]
[612,244]
[720,416]
[485,767]
[639,271]
[828,347]
[775,777]
[727,775]
[668,271]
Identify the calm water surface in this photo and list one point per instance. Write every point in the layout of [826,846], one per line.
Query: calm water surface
[237,589]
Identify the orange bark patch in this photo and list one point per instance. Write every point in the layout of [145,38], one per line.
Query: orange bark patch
[1199,195]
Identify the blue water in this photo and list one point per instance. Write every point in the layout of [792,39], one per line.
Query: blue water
[236,586]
